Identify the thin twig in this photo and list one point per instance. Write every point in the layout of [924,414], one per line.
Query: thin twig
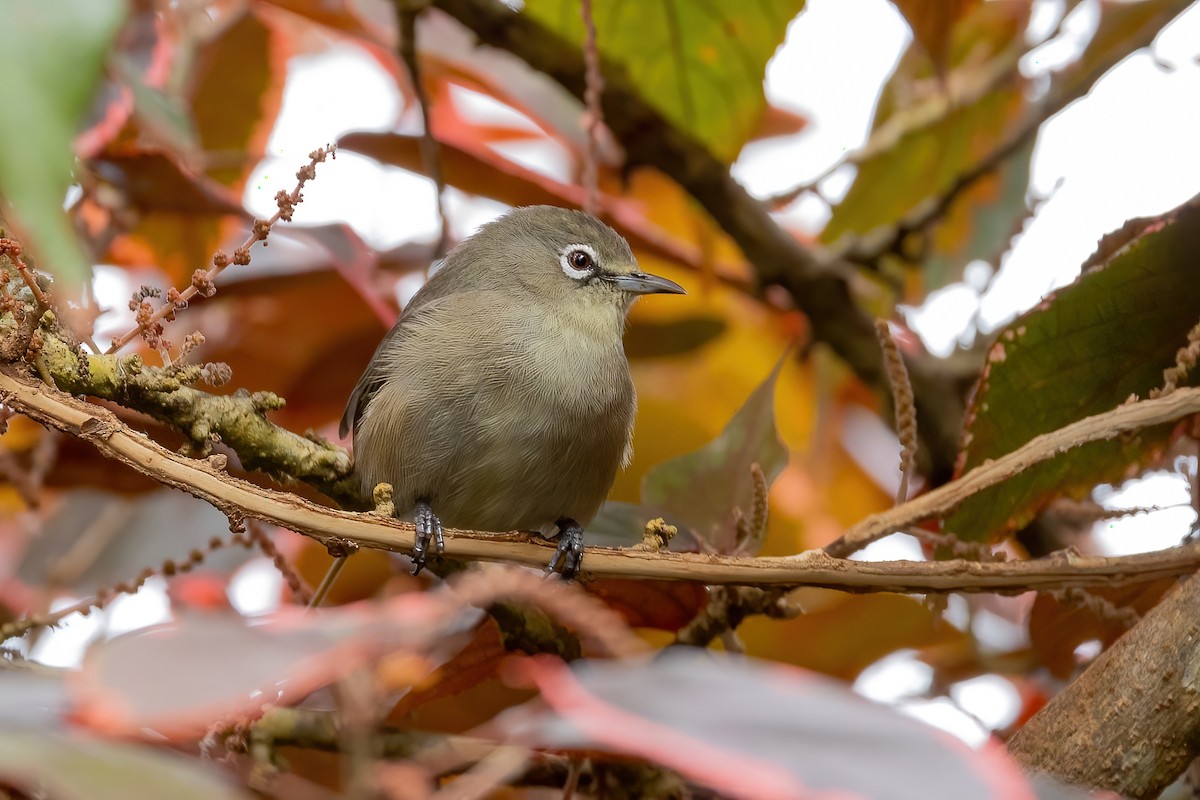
[258,534]
[430,147]
[331,575]
[595,114]
[203,281]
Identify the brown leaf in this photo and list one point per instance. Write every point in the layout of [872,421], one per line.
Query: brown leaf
[665,605]
[932,23]
[1056,628]
[154,181]
[237,91]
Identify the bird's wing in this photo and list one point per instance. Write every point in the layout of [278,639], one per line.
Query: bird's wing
[372,378]
[375,375]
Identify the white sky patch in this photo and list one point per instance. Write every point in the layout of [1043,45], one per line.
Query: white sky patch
[64,646]
[944,320]
[1126,150]
[256,588]
[1140,533]
[941,712]
[998,633]
[994,700]
[895,677]
[897,547]
[149,605]
[830,69]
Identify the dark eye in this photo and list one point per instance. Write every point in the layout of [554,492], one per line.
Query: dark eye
[579,260]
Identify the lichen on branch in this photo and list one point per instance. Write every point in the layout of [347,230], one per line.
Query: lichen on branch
[168,395]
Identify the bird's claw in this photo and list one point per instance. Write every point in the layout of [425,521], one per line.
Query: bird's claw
[428,527]
[569,551]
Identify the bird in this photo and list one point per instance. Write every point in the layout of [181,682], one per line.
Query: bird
[502,399]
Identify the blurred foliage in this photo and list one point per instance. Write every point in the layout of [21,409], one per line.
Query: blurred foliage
[162,117]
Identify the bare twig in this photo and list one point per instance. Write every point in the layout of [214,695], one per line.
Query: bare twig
[431,158]
[595,114]
[1102,607]
[331,575]
[238,420]
[946,498]
[237,497]
[203,281]
[728,607]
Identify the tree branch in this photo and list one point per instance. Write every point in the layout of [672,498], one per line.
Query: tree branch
[1129,722]
[241,499]
[946,498]
[238,420]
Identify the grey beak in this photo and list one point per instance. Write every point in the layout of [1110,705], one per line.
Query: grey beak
[642,283]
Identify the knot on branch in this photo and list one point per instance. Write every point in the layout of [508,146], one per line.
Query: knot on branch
[338,547]
[97,428]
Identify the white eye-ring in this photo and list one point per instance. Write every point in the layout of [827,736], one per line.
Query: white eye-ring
[578,261]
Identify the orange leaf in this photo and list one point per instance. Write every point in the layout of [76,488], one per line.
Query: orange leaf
[465,691]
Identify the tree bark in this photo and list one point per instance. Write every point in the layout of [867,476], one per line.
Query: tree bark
[1131,722]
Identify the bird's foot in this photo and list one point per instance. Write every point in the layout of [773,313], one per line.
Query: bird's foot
[569,551]
[428,527]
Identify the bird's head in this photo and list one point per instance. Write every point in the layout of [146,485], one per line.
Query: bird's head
[562,256]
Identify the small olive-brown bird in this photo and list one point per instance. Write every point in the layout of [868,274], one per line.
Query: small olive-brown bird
[502,400]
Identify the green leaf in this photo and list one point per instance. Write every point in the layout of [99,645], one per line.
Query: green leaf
[72,767]
[1083,350]
[701,489]
[51,56]
[700,64]
[919,150]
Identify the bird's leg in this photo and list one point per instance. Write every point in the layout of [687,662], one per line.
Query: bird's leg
[428,527]
[569,550]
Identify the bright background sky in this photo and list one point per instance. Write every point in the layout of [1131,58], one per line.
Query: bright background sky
[1127,149]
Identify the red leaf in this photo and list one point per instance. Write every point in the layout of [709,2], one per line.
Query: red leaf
[665,605]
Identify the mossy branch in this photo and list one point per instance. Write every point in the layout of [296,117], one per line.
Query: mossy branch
[166,393]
